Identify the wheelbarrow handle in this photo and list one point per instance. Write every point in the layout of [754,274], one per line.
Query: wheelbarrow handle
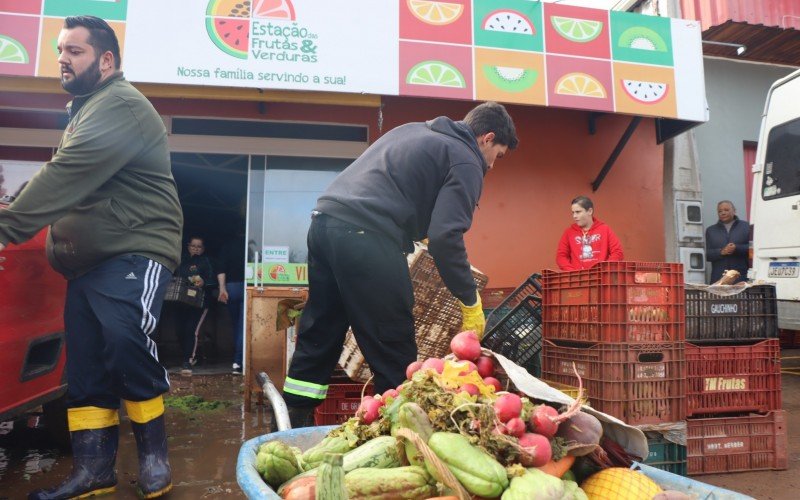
[279,409]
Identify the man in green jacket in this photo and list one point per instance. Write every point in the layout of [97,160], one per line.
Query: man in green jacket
[115,231]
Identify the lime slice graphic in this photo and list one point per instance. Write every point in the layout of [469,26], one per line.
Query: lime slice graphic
[436,73]
[11,51]
[577,30]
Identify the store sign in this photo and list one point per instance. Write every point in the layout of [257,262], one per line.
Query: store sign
[276,273]
[275,254]
[514,51]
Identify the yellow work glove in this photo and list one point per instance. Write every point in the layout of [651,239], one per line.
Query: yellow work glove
[473,318]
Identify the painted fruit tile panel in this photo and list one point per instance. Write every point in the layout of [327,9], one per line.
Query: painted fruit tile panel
[576,31]
[645,90]
[435,21]
[18,37]
[641,39]
[509,76]
[574,82]
[48,45]
[105,9]
[21,6]
[508,24]
[434,70]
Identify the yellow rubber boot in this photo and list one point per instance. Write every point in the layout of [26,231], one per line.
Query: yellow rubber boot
[147,421]
[94,433]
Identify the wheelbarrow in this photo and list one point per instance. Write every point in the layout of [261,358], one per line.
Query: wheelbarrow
[254,486]
[246,474]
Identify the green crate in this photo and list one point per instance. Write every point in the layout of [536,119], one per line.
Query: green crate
[665,455]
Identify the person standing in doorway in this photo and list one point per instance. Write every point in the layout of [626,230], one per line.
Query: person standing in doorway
[587,241]
[728,243]
[231,292]
[115,231]
[195,267]
[418,180]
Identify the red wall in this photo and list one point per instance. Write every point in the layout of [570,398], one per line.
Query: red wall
[525,204]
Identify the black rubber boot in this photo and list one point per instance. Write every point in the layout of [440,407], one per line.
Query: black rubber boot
[301,417]
[94,453]
[155,475]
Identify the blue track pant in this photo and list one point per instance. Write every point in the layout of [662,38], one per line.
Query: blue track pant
[109,316]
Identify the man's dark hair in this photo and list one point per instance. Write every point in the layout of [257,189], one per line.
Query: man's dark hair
[493,117]
[583,201]
[101,37]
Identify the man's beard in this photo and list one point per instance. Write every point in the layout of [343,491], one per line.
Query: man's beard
[85,82]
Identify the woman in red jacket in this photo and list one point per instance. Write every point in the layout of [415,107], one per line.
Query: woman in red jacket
[587,241]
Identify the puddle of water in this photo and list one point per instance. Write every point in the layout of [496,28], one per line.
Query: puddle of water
[204,446]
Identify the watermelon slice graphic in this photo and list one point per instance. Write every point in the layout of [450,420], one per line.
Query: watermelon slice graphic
[508,21]
[232,36]
[645,92]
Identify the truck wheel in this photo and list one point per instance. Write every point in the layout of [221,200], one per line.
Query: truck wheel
[55,421]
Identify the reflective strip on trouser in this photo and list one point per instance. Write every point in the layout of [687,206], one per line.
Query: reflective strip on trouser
[91,417]
[305,389]
[142,412]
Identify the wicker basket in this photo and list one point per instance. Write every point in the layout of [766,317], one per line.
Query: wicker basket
[437,315]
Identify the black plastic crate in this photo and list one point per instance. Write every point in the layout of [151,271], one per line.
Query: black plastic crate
[514,328]
[180,290]
[751,315]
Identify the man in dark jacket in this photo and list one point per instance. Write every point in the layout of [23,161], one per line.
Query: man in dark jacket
[419,180]
[728,243]
[115,233]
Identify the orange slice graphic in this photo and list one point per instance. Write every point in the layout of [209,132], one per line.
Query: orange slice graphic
[580,84]
[437,13]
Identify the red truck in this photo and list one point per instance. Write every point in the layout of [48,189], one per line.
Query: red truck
[32,343]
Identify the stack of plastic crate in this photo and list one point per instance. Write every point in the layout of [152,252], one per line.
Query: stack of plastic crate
[735,421]
[514,327]
[621,326]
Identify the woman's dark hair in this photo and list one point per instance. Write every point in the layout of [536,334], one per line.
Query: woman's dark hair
[101,37]
[583,201]
[493,117]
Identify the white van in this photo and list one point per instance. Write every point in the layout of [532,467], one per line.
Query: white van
[775,205]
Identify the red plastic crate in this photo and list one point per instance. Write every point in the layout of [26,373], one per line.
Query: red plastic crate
[737,444]
[733,379]
[637,383]
[341,403]
[615,302]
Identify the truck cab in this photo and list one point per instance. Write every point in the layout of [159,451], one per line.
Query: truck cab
[775,203]
[32,343]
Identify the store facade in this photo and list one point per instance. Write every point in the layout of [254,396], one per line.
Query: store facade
[267,101]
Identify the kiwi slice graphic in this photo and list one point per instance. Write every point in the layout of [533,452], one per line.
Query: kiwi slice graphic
[642,38]
[510,79]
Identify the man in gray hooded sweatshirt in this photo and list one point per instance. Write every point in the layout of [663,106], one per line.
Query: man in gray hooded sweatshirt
[420,180]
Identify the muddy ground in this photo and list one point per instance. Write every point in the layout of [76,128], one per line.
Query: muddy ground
[204,445]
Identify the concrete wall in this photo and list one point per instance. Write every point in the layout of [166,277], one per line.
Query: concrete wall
[736,92]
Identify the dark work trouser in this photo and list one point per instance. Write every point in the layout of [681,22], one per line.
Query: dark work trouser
[356,278]
[109,316]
